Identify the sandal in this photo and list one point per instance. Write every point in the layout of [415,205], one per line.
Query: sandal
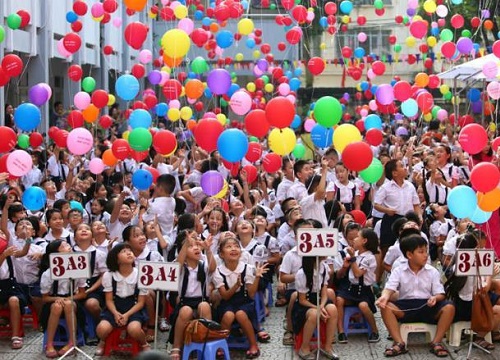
[16,342]
[309,356]
[175,354]
[483,343]
[288,338]
[329,354]
[495,336]
[99,351]
[65,349]
[252,355]
[50,352]
[439,350]
[395,350]
[342,338]
[263,337]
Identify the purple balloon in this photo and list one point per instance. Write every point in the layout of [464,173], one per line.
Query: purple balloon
[411,12]
[485,14]
[401,131]
[38,95]
[385,94]
[477,107]
[464,45]
[154,77]
[212,182]
[219,81]
[262,64]
[398,116]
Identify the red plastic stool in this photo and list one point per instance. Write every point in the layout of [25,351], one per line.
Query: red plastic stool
[6,330]
[120,341]
[299,337]
[30,315]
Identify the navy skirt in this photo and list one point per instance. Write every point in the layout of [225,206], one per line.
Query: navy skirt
[122,306]
[358,294]
[10,288]
[237,303]
[299,313]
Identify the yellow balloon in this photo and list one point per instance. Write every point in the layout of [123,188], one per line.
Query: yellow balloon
[166,69]
[430,6]
[245,26]
[417,17]
[222,119]
[125,135]
[322,46]
[239,57]
[152,15]
[251,87]
[489,201]
[175,43]
[186,113]
[111,99]
[410,41]
[492,127]
[431,41]
[180,12]
[358,87]
[256,54]
[455,100]
[428,117]
[344,135]
[223,191]
[98,19]
[269,88]
[346,19]
[282,141]
[444,89]
[173,114]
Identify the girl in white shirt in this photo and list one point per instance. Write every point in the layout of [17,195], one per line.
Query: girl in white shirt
[436,217]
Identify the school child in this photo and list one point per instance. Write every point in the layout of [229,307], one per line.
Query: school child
[121,217]
[305,308]
[313,205]
[216,224]
[362,265]
[57,300]
[156,241]
[124,300]
[421,298]
[98,212]
[65,207]
[12,212]
[57,231]
[75,218]
[237,283]
[303,171]
[287,241]
[162,204]
[436,216]
[193,290]
[394,257]
[271,245]
[100,237]
[345,190]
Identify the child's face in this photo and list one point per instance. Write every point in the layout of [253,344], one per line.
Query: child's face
[244,227]
[347,219]
[98,227]
[96,207]
[56,221]
[50,187]
[236,205]
[332,161]
[64,247]
[215,221]
[260,222]
[83,233]
[288,170]
[137,240]
[341,173]
[231,250]
[305,173]
[24,229]
[126,257]
[193,250]
[75,218]
[418,257]
[150,228]
[352,235]
[359,241]
[101,192]
[125,212]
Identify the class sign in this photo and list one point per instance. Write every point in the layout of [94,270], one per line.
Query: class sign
[317,242]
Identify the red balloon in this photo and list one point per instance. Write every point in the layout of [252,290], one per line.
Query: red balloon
[138,71]
[374,137]
[378,68]
[360,124]
[287,4]
[121,149]
[61,138]
[280,112]
[77,26]
[485,177]
[359,217]
[3,166]
[72,42]
[299,13]
[496,48]
[110,6]
[402,90]
[475,22]
[172,89]
[36,139]
[139,155]
[9,139]
[80,7]
[357,156]
[346,52]
[199,37]
[207,132]
[100,98]
[254,152]
[448,49]
[434,81]
[495,144]
[4,77]
[135,34]
[222,12]
[271,162]
[75,119]
[106,121]
[53,130]
[151,101]
[457,21]
[25,18]
[153,172]
[251,173]
[167,14]
[425,102]
[107,50]
[234,168]
[473,138]
[256,123]
[12,65]
[75,72]
[164,142]
[465,120]
[294,35]
[316,65]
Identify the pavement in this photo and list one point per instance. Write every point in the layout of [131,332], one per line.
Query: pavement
[357,348]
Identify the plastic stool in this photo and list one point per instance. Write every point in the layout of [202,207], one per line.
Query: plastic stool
[298,339]
[454,335]
[30,315]
[89,325]
[61,337]
[259,306]
[210,351]
[118,342]
[429,329]
[6,330]
[355,327]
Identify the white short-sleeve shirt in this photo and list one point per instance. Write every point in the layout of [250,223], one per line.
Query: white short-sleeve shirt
[301,282]
[233,275]
[291,263]
[368,262]
[63,287]
[125,286]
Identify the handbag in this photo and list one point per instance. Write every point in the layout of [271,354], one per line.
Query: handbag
[203,330]
[482,311]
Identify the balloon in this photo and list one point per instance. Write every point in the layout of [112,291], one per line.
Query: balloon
[81,100]
[140,118]
[164,142]
[135,34]
[12,65]
[256,123]
[357,156]
[359,217]
[38,95]
[327,111]
[425,102]
[489,201]
[108,158]
[80,141]
[100,98]
[473,138]
[34,198]
[36,139]
[241,102]
[207,132]
[121,149]
[271,162]
[462,201]
[251,173]
[212,182]
[485,177]
[136,5]
[316,65]
[224,39]
[142,179]
[493,90]
[175,43]
[140,139]
[96,166]
[72,42]
[75,72]
[282,141]
[88,84]
[194,89]
[280,112]
[19,163]
[9,139]
[91,113]
[254,152]
[245,26]
[372,173]
[27,117]
[75,119]
[221,194]
[373,121]
[479,216]
[385,94]
[374,137]
[127,87]
[219,81]
[299,151]
[418,28]
[321,136]
[409,108]
[199,65]
[344,135]
[232,145]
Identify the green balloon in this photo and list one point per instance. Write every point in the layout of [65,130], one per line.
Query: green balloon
[373,172]
[265,78]
[379,4]
[140,139]
[397,48]
[23,141]
[327,111]
[406,19]
[272,6]
[299,151]
[435,110]
[14,21]
[446,35]
[2,33]
[253,139]
[223,102]
[88,84]
[448,96]
[199,65]
[466,33]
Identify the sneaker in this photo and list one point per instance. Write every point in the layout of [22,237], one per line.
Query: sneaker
[342,338]
[374,337]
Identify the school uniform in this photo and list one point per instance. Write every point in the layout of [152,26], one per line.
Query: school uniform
[164,208]
[154,245]
[450,172]
[194,177]
[148,255]
[26,270]
[314,209]
[34,176]
[346,193]
[65,235]
[436,193]
[298,191]
[104,218]
[9,286]
[291,263]
[215,240]
[116,230]
[97,268]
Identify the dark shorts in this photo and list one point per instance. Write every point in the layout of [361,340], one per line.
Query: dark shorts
[122,306]
[31,290]
[416,310]
[10,288]
[288,294]
[463,310]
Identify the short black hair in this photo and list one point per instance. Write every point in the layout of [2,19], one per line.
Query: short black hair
[14,209]
[50,213]
[166,182]
[186,221]
[112,259]
[208,164]
[284,204]
[397,225]
[390,166]
[300,223]
[413,216]
[312,183]
[127,232]
[316,223]
[299,165]
[411,243]
[59,203]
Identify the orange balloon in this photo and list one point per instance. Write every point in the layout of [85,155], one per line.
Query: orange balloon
[421,80]
[191,124]
[489,108]
[488,24]
[91,113]
[214,27]
[108,158]
[136,5]
[171,62]
[489,201]
[194,89]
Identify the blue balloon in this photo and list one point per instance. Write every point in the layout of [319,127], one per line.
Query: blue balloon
[27,117]
[294,84]
[435,31]
[206,21]
[296,122]
[462,201]
[346,7]
[321,136]
[323,21]
[409,108]
[297,72]
[232,145]
[34,198]
[393,82]
[208,93]
[244,3]
[250,43]
[71,17]
[374,88]
[161,109]
[198,15]
[224,39]
[232,89]
[142,179]
[474,95]
[288,74]
[480,216]
[76,205]
[127,87]
[364,85]
[140,118]
[373,121]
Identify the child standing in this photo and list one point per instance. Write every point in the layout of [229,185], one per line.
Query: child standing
[345,190]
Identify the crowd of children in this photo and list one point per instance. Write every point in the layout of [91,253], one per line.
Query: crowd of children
[396,233]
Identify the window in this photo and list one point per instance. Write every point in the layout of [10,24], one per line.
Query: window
[376,42]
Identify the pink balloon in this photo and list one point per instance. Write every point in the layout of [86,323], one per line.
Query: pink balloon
[96,166]
[19,163]
[309,124]
[82,100]
[97,10]
[145,56]
[493,90]
[442,115]
[80,141]
[241,102]
[62,50]
[490,69]
[385,94]
[174,104]
[117,22]
[186,25]
[362,37]
[363,112]
[473,138]
[373,105]
[284,89]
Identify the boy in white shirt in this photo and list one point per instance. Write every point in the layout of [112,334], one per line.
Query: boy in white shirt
[162,204]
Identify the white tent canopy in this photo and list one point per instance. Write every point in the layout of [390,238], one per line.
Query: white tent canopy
[471,70]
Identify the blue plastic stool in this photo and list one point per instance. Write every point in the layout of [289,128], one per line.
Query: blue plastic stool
[61,337]
[355,327]
[89,325]
[210,352]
